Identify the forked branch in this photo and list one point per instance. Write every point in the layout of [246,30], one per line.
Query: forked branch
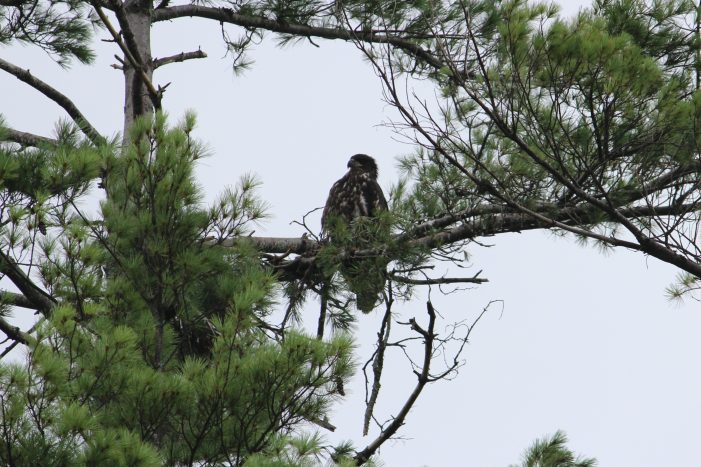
[131,54]
[423,379]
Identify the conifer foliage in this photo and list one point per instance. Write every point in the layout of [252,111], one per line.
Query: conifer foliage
[153,355]
[167,333]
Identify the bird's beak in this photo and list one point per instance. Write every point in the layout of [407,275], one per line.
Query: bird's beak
[351,164]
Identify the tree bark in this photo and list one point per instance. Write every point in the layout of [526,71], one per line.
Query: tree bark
[136,29]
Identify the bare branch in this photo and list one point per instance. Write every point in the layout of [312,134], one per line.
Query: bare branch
[181,57]
[439,281]
[27,139]
[56,96]
[423,379]
[377,360]
[322,423]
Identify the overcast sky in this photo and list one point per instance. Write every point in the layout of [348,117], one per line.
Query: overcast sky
[584,342]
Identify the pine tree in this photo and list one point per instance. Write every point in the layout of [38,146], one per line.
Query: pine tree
[155,342]
[154,354]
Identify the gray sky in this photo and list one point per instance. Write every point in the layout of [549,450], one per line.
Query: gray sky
[585,342]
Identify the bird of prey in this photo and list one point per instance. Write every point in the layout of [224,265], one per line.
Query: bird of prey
[353,215]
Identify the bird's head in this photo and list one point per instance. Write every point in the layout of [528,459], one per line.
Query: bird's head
[363,163]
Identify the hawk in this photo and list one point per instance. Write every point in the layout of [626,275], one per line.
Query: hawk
[351,215]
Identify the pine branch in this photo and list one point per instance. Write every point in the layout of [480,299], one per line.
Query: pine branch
[279,252]
[472,223]
[181,57]
[39,299]
[16,299]
[325,424]
[285,245]
[13,332]
[56,96]
[10,347]
[227,15]
[27,139]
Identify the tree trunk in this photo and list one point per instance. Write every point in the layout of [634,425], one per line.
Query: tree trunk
[137,100]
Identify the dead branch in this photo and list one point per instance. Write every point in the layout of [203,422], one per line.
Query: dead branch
[377,359]
[181,57]
[439,280]
[423,379]
[322,423]
[27,139]
[56,96]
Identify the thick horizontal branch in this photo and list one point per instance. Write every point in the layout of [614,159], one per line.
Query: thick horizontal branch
[504,217]
[475,222]
[227,15]
[56,96]
[439,280]
[280,245]
[26,139]
[16,299]
[181,57]
[294,258]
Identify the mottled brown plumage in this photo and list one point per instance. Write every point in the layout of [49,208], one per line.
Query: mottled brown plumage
[353,201]
[356,194]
